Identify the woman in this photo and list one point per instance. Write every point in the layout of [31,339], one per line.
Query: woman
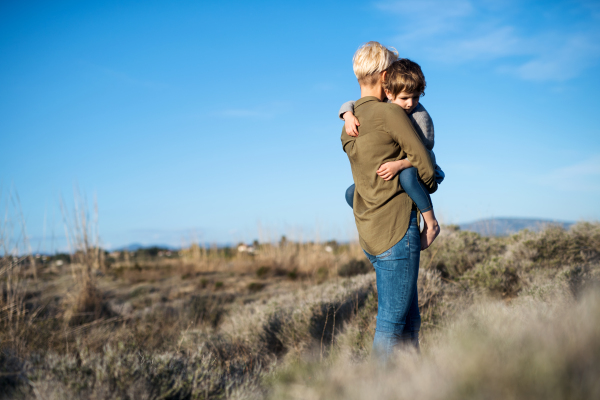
[386,218]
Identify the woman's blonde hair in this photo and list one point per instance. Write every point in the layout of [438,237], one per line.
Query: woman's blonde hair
[370,60]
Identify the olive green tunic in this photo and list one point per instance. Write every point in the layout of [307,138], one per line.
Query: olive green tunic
[381,208]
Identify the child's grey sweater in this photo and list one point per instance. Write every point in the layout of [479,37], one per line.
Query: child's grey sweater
[421,121]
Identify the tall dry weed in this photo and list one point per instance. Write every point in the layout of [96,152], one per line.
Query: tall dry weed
[86,302]
[16,264]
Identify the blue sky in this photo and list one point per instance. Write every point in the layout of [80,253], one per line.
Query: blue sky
[217,121]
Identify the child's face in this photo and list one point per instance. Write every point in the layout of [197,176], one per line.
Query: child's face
[408,101]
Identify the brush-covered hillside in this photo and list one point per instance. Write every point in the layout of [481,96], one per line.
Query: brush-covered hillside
[503,317]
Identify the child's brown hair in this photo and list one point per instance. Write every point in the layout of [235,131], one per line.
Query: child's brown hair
[404,75]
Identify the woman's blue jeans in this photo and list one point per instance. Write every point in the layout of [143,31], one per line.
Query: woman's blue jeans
[412,185]
[398,317]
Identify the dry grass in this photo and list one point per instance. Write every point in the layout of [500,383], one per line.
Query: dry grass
[515,317]
[534,348]
[297,320]
[84,303]
[16,266]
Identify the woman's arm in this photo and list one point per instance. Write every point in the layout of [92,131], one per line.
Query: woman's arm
[402,131]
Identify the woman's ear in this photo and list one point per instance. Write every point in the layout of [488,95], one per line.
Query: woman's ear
[383,76]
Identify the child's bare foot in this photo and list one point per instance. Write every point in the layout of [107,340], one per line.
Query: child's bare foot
[431,229]
[429,234]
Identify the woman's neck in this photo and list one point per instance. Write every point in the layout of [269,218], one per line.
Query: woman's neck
[375,91]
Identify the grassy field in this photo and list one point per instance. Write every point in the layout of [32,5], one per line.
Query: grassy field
[505,317]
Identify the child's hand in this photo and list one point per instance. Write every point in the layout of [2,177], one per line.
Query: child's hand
[351,124]
[390,169]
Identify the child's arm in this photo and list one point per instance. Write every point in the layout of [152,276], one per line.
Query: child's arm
[351,124]
[423,126]
[346,107]
[390,169]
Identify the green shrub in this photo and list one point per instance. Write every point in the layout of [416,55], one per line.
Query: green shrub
[293,274]
[321,274]
[355,267]
[208,309]
[255,286]
[555,247]
[262,272]
[140,291]
[495,275]
[456,252]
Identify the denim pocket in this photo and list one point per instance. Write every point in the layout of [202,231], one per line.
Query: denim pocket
[397,265]
[399,251]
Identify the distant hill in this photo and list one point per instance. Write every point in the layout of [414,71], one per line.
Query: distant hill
[136,246]
[508,226]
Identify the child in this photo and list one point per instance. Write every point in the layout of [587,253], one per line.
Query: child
[404,85]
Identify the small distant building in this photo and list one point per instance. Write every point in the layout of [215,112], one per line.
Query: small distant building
[242,248]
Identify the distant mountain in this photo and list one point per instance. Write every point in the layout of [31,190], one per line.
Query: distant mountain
[136,246]
[508,226]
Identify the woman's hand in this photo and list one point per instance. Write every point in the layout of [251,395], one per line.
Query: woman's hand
[390,169]
[351,124]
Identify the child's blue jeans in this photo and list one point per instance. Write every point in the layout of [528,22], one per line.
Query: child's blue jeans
[412,185]
[398,317]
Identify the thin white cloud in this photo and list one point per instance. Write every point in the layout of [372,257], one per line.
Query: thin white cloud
[428,17]
[461,31]
[580,177]
[567,60]
[491,45]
